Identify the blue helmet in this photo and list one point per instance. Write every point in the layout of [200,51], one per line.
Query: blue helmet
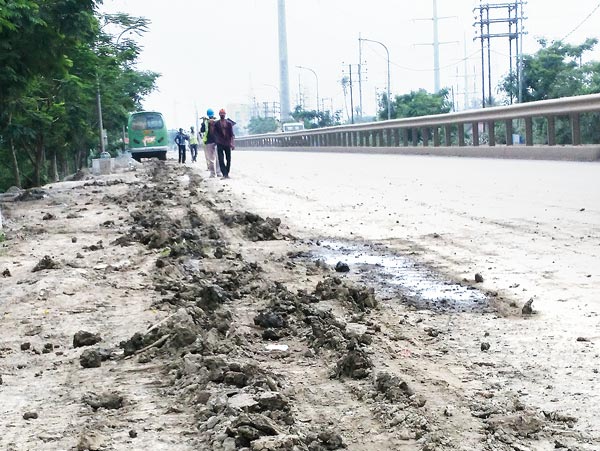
[210,113]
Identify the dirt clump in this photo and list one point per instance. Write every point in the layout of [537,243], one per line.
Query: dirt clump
[85,338]
[46,262]
[107,400]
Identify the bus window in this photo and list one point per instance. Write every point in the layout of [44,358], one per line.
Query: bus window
[154,122]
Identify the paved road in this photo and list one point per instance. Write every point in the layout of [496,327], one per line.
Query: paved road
[524,214]
[535,223]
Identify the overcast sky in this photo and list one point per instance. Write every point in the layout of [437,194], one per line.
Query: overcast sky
[215,53]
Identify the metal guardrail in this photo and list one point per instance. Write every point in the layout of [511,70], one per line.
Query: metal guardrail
[472,128]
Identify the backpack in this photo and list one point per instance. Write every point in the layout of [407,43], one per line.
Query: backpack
[209,130]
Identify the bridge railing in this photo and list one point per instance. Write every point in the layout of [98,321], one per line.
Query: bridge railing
[548,123]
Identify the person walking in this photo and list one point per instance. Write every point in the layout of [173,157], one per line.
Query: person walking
[193,144]
[180,140]
[225,142]
[210,146]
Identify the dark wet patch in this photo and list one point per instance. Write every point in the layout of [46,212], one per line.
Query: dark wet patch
[398,276]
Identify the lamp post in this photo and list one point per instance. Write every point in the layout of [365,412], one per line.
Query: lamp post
[388,73]
[316,78]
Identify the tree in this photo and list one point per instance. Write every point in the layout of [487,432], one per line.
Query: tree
[314,119]
[54,55]
[416,103]
[260,125]
[555,70]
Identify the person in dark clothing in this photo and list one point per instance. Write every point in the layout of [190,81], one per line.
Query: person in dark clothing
[180,139]
[225,142]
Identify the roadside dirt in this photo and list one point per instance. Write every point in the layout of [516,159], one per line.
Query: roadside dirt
[219,330]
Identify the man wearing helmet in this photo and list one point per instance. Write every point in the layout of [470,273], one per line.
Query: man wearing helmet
[208,138]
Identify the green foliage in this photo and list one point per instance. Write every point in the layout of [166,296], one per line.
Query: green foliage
[416,103]
[260,125]
[314,119]
[554,71]
[54,55]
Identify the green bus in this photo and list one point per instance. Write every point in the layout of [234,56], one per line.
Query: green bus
[148,137]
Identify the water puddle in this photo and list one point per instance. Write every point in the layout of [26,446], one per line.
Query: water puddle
[393,276]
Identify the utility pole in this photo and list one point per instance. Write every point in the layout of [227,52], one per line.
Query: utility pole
[436,50]
[360,99]
[511,13]
[436,47]
[100,124]
[284,96]
[351,99]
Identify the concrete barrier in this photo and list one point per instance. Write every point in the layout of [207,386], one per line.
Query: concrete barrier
[102,166]
[564,153]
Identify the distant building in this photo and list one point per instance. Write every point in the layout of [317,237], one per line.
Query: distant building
[241,114]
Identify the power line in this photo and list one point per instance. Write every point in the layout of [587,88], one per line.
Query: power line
[411,69]
[581,23]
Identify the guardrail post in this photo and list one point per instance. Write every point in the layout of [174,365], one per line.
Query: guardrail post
[396,137]
[475,133]
[509,132]
[551,120]
[448,133]
[491,134]
[415,137]
[575,129]
[436,137]
[425,132]
[405,137]
[461,135]
[388,137]
[528,131]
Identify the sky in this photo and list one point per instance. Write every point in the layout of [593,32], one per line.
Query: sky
[212,54]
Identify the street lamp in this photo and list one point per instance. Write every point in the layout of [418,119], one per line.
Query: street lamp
[317,78]
[388,73]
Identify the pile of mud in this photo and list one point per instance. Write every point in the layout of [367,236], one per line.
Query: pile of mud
[213,363]
[236,344]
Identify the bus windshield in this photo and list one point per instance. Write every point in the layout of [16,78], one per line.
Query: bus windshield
[147,121]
